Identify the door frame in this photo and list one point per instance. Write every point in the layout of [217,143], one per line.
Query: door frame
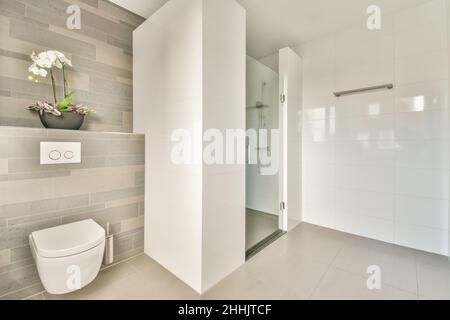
[283,127]
[290,105]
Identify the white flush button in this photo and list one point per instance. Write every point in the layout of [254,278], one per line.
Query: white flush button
[68,155]
[60,152]
[54,155]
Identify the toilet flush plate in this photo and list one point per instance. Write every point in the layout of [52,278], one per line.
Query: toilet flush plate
[60,152]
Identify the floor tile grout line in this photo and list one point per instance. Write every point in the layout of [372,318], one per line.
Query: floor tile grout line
[340,245]
[383,283]
[417,276]
[330,266]
[35,295]
[104,268]
[16,291]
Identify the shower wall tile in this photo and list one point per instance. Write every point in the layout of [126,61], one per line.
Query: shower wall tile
[94,67]
[141,209]
[432,67]
[432,124]
[421,30]
[36,175]
[100,52]
[3,166]
[17,265]
[92,3]
[377,164]
[63,214]
[118,161]
[18,279]
[102,197]
[107,187]
[5,257]
[138,240]
[364,58]
[112,215]
[12,6]
[430,154]
[133,224]
[421,211]
[20,253]
[139,178]
[123,202]
[422,183]
[421,96]
[39,34]
[42,206]
[32,165]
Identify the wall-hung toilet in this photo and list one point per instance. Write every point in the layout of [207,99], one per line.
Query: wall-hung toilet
[68,257]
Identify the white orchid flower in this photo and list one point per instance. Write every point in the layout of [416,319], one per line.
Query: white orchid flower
[58,64]
[33,56]
[33,69]
[61,59]
[44,61]
[50,55]
[69,62]
[49,59]
[37,71]
[43,73]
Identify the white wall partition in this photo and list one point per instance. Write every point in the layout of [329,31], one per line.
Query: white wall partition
[376,164]
[189,72]
[224,57]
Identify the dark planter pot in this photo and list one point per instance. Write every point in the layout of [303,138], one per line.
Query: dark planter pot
[67,121]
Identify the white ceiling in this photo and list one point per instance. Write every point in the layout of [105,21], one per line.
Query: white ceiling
[144,8]
[273,24]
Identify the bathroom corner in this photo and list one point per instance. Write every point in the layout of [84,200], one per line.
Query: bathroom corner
[108,183]
[108,186]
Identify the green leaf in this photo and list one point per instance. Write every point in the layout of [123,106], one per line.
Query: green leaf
[64,103]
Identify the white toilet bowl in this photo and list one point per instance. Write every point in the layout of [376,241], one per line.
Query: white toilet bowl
[68,257]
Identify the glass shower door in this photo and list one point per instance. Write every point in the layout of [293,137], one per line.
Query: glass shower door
[262,188]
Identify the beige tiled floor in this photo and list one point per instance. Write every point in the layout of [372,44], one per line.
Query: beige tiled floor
[308,263]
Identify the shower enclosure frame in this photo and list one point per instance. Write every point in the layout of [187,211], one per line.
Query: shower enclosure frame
[290,119]
[289,174]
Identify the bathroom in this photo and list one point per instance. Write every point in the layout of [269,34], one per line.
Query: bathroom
[358,105]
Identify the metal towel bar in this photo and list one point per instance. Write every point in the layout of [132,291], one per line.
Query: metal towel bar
[384,86]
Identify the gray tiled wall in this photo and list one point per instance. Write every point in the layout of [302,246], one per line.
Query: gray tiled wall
[108,186]
[100,51]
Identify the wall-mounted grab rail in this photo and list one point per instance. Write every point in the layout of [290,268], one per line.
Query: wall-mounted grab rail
[384,86]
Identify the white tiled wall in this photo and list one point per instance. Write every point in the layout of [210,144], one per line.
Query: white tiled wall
[377,164]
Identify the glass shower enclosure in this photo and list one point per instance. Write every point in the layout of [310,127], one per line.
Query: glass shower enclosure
[262,116]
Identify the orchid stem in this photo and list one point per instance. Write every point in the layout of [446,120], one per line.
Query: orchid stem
[65,80]
[53,87]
